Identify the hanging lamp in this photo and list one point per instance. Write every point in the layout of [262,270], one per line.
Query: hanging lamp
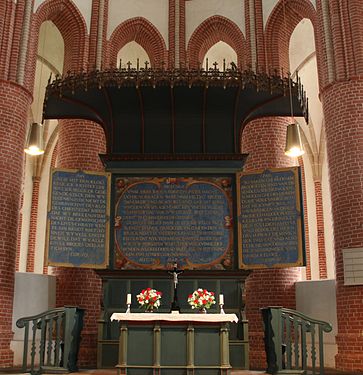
[34,143]
[293,146]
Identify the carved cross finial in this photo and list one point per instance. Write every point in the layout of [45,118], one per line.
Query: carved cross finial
[146,64]
[129,63]
[215,64]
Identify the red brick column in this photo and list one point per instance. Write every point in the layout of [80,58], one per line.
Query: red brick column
[79,144]
[33,225]
[264,140]
[14,105]
[343,110]
[306,220]
[323,272]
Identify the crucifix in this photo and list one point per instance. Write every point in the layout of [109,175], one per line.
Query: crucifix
[175,304]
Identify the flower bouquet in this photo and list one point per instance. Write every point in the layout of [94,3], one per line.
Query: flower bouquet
[201,299]
[149,299]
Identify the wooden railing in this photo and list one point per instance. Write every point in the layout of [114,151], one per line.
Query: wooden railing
[293,342]
[51,340]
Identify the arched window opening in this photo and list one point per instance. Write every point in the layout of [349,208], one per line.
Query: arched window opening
[219,52]
[50,60]
[129,53]
[302,57]
[302,44]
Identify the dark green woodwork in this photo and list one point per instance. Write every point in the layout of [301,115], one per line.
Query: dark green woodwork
[173,347]
[155,111]
[293,339]
[114,300]
[59,331]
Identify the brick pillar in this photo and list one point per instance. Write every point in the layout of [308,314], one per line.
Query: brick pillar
[306,221]
[14,105]
[343,110]
[33,225]
[264,141]
[79,144]
[323,272]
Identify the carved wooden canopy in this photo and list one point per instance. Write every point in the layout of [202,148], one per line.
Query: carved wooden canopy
[178,114]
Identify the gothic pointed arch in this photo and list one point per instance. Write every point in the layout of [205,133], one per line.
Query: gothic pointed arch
[142,32]
[213,30]
[281,23]
[72,26]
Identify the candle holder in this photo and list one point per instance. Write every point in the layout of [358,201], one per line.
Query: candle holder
[128,303]
[221,311]
[128,310]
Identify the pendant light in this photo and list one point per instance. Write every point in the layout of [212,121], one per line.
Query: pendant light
[35,143]
[293,146]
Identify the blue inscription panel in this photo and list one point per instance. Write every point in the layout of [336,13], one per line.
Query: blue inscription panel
[162,220]
[78,219]
[270,219]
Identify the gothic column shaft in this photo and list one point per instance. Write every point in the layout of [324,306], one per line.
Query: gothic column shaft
[79,144]
[343,110]
[264,141]
[14,105]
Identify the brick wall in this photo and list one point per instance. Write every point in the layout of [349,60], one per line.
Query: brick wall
[14,105]
[211,31]
[280,25]
[343,111]
[33,225]
[142,32]
[323,272]
[306,220]
[264,141]
[7,15]
[79,144]
[70,23]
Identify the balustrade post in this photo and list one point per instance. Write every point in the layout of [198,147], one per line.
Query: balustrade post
[270,349]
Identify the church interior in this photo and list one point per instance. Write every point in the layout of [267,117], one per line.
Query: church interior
[182,92]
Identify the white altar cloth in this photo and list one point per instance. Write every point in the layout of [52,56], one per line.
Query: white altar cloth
[142,317]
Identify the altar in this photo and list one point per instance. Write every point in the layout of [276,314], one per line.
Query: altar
[174,344]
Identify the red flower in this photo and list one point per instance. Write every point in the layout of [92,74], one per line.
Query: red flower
[190,296]
[204,302]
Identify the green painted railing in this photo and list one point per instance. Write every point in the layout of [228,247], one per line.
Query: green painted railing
[293,342]
[51,340]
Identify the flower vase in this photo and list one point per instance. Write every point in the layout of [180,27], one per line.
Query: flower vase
[149,309]
[202,310]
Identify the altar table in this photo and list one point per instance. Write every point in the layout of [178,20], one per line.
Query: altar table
[173,344]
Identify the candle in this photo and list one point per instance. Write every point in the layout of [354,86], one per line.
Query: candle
[128,299]
[221,299]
